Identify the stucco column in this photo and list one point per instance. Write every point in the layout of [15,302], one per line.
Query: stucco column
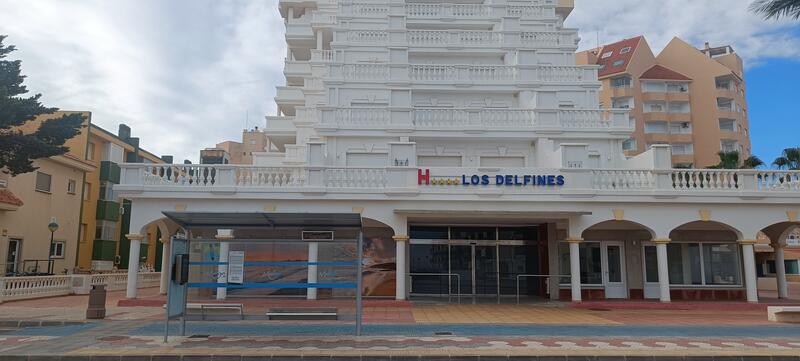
[313,257]
[575,267]
[222,270]
[750,279]
[780,271]
[133,264]
[165,268]
[319,39]
[663,268]
[400,266]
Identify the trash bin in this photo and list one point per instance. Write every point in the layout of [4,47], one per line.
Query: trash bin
[97,303]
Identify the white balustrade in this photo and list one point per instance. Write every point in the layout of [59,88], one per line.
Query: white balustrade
[365,71]
[323,19]
[21,288]
[322,56]
[421,10]
[547,38]
[559,74]
[623,179]
[581,118]
[179,174]
[119,280]
[426,72]
[776,180]
[270,177]
[355,177]
[706,179]
[459,118]
[526,11]
[445,38]
[441,118]
[367,36]
[362,117]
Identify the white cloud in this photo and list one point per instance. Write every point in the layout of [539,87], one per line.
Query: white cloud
[719,22]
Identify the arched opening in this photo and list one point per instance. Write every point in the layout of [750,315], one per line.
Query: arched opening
[611,257]
[778,245]
[705,262]
[380,261]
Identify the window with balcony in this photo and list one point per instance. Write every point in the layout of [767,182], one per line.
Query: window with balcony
[621,82]
[725,104]
[629,145]
[680,128]
[677,87]
[724,84]
[658,127]
[622,103]
[653,87]
[682,148]
[729,146]
[654,107]
[679,107]
[727,125]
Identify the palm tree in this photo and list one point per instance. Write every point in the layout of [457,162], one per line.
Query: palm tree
[732,160]
[774,9]
[789,159]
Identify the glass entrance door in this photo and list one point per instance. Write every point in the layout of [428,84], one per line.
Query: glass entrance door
[485,261]
[461,264]
[614,270]
[12,256]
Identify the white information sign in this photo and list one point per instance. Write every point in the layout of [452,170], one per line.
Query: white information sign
[236,267]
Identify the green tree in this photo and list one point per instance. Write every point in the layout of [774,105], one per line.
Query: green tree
[732,160]
[19,149]
[775,9]
[789,159]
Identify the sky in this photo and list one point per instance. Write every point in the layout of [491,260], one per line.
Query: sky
[187,74]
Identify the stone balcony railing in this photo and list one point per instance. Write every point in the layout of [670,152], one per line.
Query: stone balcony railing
[415,11]
[320,179]
[455,73]
[473,119]
[458,38]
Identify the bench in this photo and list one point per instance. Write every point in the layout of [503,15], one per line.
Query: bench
[789,314]
[215,306]
[302,314]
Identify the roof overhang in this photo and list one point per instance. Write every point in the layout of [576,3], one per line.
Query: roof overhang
[227,220]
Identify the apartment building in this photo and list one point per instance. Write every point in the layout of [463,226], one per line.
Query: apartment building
[692,99]
[105,216]
[30,202]
[254,144]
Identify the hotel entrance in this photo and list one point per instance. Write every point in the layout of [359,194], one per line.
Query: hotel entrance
[477,261]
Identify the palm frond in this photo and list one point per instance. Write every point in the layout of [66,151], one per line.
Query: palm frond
[775,9]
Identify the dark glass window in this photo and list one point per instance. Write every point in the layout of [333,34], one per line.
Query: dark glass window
[428,232]
[518,233]
[473,233]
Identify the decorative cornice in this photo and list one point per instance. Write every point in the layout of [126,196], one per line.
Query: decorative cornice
[400,238]
[747,242]
[662,240]
[574,240]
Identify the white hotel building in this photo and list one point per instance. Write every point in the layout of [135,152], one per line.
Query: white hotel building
[467,138]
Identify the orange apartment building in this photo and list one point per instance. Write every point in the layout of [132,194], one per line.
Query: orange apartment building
[693,99]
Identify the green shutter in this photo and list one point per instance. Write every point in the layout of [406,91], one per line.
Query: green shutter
[107,210]
[109,171]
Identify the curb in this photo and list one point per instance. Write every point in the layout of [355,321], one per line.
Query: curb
[23,324]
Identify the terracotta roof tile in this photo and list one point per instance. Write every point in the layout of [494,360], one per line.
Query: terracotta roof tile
[9,198]
[663,73]
[616,56]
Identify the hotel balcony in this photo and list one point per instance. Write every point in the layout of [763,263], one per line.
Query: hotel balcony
[401,181]
[462,74]
[296,69]
[445,40]
[727,113]
[677,96]
[447,12]
[512,122]
[728,93]
[289,97]
[654,96]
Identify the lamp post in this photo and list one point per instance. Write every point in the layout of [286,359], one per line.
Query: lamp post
[53,227]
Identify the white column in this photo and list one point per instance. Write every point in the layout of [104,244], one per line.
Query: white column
[400,267]
[750,280]
[780,270]
[319,39]
[133,264]
[575,268]
[165,268]
[663,268]
[222,269]
[313,256]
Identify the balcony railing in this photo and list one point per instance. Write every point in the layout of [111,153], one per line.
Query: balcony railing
[459,38]
[456,119]
[505,74]
[447,10]
[208,177]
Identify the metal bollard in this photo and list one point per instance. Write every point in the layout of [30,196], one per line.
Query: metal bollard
[97,303]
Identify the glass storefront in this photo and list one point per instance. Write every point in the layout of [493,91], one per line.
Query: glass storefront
[480,260]
[696,264]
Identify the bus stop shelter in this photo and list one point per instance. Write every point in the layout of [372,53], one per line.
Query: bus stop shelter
[311,229]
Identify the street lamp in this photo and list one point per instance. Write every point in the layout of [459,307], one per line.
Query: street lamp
[53,227]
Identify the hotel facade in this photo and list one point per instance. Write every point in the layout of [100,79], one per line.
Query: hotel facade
[480,160]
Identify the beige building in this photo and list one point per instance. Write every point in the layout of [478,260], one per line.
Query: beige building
[693,99]
[254,141]
[30,201]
